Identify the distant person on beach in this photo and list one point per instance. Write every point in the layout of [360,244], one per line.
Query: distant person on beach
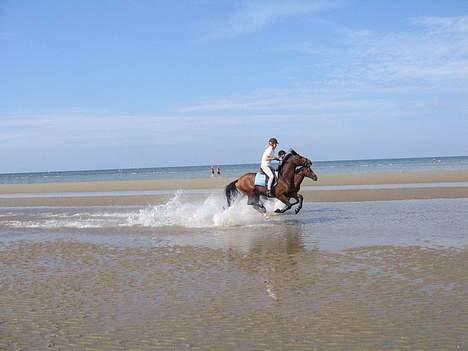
[267,157]
[219,171]
[212,171]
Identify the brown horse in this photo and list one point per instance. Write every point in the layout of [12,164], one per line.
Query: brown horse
[285,185]
[301,173]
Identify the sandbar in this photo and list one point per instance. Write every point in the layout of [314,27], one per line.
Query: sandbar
[312,192]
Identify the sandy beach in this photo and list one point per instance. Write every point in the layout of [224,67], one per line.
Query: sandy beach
[329,188]
[147,270]
[92,297]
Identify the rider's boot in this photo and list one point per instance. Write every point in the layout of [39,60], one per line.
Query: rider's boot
[269,194]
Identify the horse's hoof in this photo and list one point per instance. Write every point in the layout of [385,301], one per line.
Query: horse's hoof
[277,210]
[296,211]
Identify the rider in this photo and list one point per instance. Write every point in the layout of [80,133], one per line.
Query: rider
[280,159]
[268,156]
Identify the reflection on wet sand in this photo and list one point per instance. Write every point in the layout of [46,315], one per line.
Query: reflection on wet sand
[275,295]
[272,257]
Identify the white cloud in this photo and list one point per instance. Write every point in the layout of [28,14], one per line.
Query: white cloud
[434,48]
[366,71]
[458,24]
[318,101]
[86,141]
[403,80]
[437,49]
[254,15]
[96,130]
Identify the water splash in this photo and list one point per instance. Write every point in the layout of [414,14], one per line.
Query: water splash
[186,212]
[181,210]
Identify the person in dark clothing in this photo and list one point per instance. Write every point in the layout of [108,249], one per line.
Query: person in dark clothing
[280,159]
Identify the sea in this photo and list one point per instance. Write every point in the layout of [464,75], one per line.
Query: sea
[234,170]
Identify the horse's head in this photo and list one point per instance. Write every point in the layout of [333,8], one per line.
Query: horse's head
[297,160]
[309,173]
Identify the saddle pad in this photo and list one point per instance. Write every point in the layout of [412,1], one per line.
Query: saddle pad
[260,179]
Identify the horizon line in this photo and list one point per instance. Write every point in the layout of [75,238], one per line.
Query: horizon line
[220,165]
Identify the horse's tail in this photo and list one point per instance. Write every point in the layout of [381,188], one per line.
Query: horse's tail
[230,191]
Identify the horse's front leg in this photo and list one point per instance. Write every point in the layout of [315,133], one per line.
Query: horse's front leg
[292,204]
[301,200]
[285,200]
[295,197]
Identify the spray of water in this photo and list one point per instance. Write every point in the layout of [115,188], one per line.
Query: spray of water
[209,212]
[181,210]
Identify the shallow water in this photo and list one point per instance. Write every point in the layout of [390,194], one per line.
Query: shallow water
[192,275]
[207,223]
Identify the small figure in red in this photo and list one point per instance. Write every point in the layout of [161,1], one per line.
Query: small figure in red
[219,171]
[212,171]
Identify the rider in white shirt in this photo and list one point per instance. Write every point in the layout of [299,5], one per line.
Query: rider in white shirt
[268,156]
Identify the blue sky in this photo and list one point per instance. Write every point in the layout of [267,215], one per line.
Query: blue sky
[116,84]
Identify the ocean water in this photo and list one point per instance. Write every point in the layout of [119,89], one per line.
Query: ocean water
[320,167]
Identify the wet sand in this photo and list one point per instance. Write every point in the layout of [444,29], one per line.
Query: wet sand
[220,182]
[76,296]
[351,276]
[311,190]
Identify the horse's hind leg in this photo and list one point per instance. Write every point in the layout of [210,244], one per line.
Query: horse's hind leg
[260,208]
[254,200]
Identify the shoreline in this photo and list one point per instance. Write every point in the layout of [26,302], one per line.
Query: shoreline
[80,193]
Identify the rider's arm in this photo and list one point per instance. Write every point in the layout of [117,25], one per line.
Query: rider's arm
[268,154]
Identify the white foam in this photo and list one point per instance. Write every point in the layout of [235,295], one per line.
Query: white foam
[80,220]
[210,212]
[181,210]
[50,224]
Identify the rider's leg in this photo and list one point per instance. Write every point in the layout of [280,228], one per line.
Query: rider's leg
[269,173]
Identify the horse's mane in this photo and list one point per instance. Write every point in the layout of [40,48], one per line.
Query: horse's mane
[285,159]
